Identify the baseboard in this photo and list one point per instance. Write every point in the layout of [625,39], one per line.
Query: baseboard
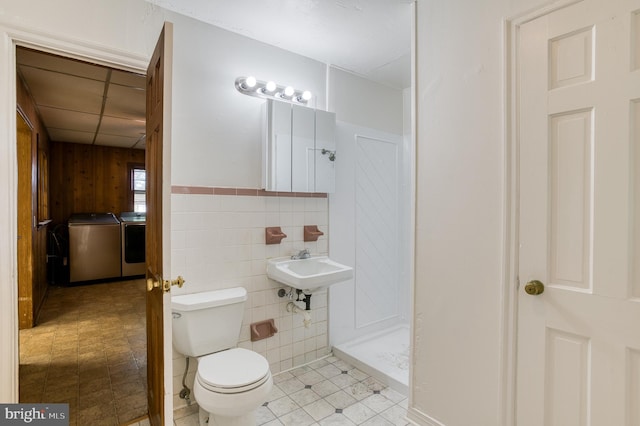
[419,418]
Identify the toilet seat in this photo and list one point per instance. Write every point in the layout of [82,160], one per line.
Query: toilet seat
[232,371]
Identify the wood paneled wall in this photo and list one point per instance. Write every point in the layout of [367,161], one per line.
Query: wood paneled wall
[90,179]
[32,266]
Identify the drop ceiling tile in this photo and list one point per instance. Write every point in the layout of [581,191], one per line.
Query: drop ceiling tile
[60,64]
[125,102]
[128,79]
[116,141]
[122,127]
[69,120]
[64,91]
[72,136]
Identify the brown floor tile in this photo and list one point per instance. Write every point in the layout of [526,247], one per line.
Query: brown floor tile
[60,394]
[35,359]
[125,417]
[61,370]
[89,340]
[93,415]
[126,390]
[124,377]
[31,392]
[97,397]
[95,385]
[88,375]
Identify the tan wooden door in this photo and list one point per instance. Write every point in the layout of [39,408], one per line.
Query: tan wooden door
[25,223]
[579,134]
[158,81]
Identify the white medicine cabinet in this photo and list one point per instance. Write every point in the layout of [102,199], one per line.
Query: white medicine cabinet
[299,148]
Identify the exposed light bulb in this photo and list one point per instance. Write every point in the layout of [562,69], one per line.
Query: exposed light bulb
[250,82]
[269,89]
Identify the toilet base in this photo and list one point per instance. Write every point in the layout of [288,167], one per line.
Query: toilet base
[208,419]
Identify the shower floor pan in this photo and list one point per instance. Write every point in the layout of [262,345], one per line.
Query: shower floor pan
[383,355]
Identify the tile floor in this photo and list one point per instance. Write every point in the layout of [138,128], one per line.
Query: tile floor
[326,392]
[89,350]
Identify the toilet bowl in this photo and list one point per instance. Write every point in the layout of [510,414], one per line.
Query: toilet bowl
[231,382]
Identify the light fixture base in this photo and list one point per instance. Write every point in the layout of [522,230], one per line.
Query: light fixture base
[280,93]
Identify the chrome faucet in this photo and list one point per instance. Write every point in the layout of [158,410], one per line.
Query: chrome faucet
[302,254]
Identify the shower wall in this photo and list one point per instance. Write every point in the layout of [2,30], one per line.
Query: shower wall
[369,214]
[366,224]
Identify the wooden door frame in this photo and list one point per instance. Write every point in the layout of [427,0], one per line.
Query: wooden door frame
[25,201]
[511,285]
[11,38]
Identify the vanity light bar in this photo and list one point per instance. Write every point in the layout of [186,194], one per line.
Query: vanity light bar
[270,90]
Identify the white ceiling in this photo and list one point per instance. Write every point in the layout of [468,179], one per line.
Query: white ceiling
[91,104]
[85,103]
[371,38]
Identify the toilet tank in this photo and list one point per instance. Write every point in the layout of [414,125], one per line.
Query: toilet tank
[207,322]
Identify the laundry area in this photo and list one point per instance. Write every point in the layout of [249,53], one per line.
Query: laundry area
[81,243]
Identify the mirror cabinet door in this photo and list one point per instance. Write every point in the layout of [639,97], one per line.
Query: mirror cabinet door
[302,149]
[279,160]
[325,142]
[295,139]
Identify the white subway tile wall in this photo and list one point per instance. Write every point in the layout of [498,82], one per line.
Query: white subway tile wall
[218,241]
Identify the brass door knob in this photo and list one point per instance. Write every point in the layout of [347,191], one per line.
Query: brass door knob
[152,283]
[166,286]
[534,287]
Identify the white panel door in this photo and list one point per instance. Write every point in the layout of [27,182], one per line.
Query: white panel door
[579,216]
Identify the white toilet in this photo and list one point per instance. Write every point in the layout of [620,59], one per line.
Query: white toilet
[231,383]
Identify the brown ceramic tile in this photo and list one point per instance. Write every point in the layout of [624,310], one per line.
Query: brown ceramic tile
[176,189]
[224,191]
[246,192]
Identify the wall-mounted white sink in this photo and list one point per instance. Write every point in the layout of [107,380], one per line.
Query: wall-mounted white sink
[309,274]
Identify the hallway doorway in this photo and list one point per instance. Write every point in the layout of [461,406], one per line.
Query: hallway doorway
[87,344]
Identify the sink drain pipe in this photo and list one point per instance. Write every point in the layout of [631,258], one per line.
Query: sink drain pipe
[292,307]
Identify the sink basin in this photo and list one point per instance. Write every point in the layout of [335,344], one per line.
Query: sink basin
[310,274]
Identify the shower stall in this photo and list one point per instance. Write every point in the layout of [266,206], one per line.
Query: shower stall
[370,221]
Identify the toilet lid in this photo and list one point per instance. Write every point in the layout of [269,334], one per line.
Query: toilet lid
[233,368]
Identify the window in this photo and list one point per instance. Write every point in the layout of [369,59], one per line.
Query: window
[139,188]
